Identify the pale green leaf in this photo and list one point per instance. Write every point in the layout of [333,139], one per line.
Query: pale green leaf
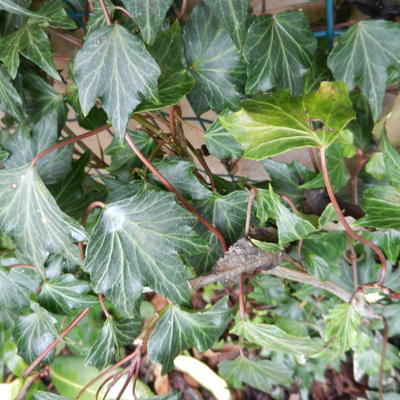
[64,294]
[212,59]
[30,214]
[48,396]
[148,15]
[13,8]
[342,327]
[233,16]
[178,330]
[279,52]
[260,374]
[275,123]
[96,16]
[391,159]
[10,100]
[363,56]
[114,66]
[382,207]
[31,42]
[138,242]
[376,166]
[273,338]
[34,332]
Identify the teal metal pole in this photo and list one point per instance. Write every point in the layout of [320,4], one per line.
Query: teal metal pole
[329,7]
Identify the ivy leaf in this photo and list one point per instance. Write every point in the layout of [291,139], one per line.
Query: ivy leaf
[48,396]
[279,50]
[275,123]
[4,154]
[148,15]
[137,242]
[30,214]
[290,226]
[34,332]
[114,66]
[65,293]
[24,145]
[56,15]
[220,143]
[363,56]
[391,159]
[10,100]
[180,174]
[174,82]
[32,42]
[388,241]
[260,374]
[233,15]
[342,327]
[111,338]
[228,214]
[9,22]
[273,338]
[219,74]
[96,16]
[13,8]
[382,207]
[178,330]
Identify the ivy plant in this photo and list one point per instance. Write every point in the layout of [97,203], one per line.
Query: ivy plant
[118,259]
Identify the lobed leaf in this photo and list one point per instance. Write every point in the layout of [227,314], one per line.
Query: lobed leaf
[10,100]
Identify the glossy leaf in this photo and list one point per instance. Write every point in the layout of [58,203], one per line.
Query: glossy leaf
[279,52]
[10,100]
[31,42]
[114,66]
[148,15]
[260,374]
[363,56]
[65,293]
[96,16]
[137,242]
[391,159]
[56,14]
[382,207]
[180,174]
[342,327]
[275,123]
[233,15]
[273,338]
[48,396]
[31,215]
[212,59]
[13,8]
[174,82]
[178,330]
[34,332]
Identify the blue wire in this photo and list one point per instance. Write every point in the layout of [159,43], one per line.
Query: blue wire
[329,7]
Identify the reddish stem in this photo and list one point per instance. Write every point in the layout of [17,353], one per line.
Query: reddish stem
[105,12]
[55,342]
[23,266]
[68,38]
[183,201]
[346,226]
[68,141]
[90,208]
[122,9]
[103,307]
[183,9]
[290,203]
[242,294]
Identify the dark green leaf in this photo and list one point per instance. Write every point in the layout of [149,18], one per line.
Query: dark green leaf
[180,174]
[342,327]
[178,330]
[31,42]
[174,82]
[10,22]
[273,338]
[4,154]
[34,332]
[391,158]
[275,123]
[13,8]
[10,100]
[382,207]
[212,59]
[65,293]
[233,16]
[114,56]
[137,242]
[220,143]
[260,374]
[362,58]
[279,50]
[56,14]
[30,214]
[148,15]
[96,16]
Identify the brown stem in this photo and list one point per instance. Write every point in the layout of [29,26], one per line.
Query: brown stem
[55,342]
[67,142]
[28,266]
[346,226]
[61,58]
[122,9]
[182,12]
[105,12]
[77,42]
[188,124]
[103,307]
[353,261]
[182,200]
[90,208]
[199,155]
[242,300]
[290,203]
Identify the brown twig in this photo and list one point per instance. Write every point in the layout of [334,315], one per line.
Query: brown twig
[67,142]
[102,305]
[122,9]
[345,224]
[354,262]
[105,12]
[90,208]
[189,125]
[55,342]
[75,41]
[181,199]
